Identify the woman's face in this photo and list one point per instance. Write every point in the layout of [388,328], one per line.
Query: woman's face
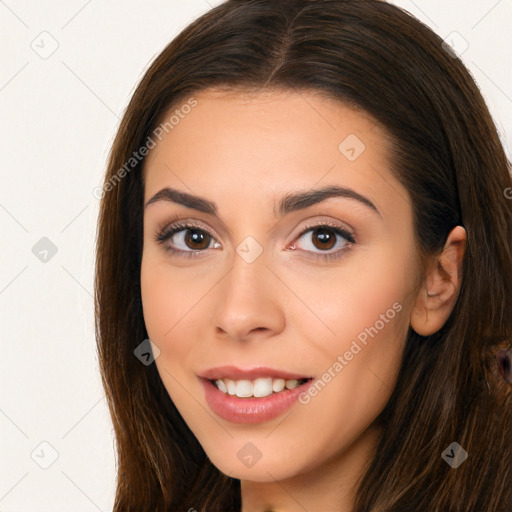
[269,279]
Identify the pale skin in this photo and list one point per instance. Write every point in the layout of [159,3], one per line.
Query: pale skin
[289,308]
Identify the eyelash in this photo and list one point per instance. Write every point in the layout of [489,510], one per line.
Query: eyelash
[171,229]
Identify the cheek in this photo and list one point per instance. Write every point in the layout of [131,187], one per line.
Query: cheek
[165,307]
[173,302]
[168,295]
[158,301]
[361,357]
[365,312]
[361,298]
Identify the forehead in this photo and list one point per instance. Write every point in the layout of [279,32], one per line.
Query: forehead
[267,142]
[244,119]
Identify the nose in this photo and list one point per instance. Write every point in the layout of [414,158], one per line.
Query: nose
[249,301]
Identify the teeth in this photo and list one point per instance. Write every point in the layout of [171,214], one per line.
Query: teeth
[277,385]
[231,387]
[221,385]
[263,386]
[291,384]
[244,388]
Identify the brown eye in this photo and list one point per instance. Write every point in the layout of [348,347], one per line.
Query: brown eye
[323,238]
[325,241]
[197,239]
[186,239]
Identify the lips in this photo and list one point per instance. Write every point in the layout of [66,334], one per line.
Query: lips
[234,373]
[252,395]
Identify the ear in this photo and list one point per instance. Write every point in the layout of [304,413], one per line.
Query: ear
[439,292]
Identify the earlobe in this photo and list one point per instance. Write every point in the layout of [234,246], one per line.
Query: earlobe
[440,289]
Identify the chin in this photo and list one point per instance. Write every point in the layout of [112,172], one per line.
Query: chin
[259,460]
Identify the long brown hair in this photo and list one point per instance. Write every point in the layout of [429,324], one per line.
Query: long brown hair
[445,151]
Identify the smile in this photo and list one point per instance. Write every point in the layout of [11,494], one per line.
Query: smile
[251,396]
[264,386]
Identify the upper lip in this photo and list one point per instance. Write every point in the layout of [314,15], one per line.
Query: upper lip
[234,373]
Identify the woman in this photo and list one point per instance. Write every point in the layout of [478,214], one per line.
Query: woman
[305,226]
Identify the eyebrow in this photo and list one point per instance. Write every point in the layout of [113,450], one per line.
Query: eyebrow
[289,203]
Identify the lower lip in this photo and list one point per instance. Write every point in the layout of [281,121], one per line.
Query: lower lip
[250,410]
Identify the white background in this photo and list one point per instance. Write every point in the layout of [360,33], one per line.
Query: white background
[58,118]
